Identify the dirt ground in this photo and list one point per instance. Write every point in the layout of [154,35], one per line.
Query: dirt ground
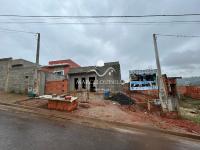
[97,107]
[11,97]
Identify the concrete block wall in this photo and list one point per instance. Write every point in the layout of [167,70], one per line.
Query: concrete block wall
[25,63]
[20,76]
[111,79]
[20,79]
[80,76]
[16,75]
[4,65]
[42,82]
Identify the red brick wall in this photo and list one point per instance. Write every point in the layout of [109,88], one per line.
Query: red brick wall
[56,87]
[181,90]
[190,91]
[68,61]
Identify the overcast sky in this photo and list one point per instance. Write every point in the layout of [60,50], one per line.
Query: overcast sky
[131,45]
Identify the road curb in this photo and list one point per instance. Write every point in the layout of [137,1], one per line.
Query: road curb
[88,119]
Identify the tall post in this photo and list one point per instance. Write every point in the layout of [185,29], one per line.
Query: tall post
[36,81]
[38,49]
[8,74]
[161,85]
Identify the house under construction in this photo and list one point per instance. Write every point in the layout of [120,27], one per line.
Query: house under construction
[95,78]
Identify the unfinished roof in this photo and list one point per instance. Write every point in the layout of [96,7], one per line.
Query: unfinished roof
[23,62]
[18,62]
[6,59]
[81,69]
[88,69]
[57,65]
[66,61]
[174,77]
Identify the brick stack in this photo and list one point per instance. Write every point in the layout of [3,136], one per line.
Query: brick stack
[56,87]
[62,105]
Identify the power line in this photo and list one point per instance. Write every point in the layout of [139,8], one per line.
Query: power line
[101,16]
[179,35]
[112,22]
[17,31]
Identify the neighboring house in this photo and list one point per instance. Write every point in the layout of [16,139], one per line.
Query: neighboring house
[4,62]
[60,67]
[21,76]
[17,75]
[58,84]
[96,78]
[62,76]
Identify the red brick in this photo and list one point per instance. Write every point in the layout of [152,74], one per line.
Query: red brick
[56,87]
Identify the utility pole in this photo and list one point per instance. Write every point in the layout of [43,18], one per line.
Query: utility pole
[161,85]
[36,82]
[38,49]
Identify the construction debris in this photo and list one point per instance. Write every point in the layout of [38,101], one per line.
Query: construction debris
[63,105]
[84,105]
[45,96]
[59,98]
[66,103]
[122,99]
[102,109]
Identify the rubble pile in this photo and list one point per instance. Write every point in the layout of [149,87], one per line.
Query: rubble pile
[122,99]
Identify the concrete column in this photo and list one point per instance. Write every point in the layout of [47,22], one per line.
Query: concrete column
[7,75]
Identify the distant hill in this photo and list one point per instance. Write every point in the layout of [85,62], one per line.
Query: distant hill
[188,81]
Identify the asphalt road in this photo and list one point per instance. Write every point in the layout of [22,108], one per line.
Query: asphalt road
[18,132]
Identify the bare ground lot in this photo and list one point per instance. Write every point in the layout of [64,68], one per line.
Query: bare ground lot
[11,97]
[98,108]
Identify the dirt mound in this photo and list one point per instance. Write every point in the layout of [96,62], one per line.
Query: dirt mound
[122,99]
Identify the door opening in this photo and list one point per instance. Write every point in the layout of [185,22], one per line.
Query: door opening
[76,83]
[83,83]
[92,87]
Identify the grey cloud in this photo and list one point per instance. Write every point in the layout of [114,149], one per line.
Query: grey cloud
[132,45]
[187,58]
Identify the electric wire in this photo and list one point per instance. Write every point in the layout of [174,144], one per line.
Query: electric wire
[112,22]
[17,31]
[179,35]
[100,16]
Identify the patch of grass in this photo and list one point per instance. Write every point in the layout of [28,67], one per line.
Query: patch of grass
[195,119]
[188,102]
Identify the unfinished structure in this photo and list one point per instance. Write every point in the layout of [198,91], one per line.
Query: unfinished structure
[57,75]
[96,78]
[60,67]
[17,75]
